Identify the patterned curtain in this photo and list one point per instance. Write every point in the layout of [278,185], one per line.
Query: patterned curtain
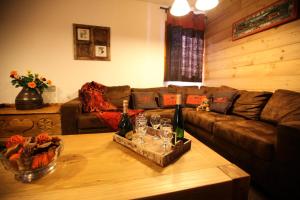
[184,54]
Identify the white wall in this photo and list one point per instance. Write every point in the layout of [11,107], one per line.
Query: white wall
[37,35]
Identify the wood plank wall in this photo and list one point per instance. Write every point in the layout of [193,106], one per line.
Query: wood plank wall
[264,61]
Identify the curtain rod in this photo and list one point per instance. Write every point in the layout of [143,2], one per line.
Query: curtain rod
[166,9]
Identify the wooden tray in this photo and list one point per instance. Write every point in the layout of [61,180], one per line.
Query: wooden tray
[159,157]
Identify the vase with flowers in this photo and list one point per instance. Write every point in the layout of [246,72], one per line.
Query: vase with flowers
[33,85]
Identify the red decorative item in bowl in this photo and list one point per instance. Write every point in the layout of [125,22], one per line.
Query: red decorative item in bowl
[31,158]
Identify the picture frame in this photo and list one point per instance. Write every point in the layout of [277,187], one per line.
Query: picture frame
[83,34]
[91,42]
[277,13]
[100,51]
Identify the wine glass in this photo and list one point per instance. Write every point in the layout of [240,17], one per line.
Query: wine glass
[155,123]
[165,121]
[167,134]
[141,127]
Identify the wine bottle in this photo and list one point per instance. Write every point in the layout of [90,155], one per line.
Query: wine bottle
[125,124]
[178,126]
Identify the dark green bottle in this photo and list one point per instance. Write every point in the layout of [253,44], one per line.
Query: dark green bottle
[125,124]
[178,125]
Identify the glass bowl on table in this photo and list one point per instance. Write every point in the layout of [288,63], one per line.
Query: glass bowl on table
[31,158]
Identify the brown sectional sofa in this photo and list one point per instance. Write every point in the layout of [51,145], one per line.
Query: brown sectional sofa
[260,132]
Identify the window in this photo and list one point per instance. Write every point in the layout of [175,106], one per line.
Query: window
[184,52]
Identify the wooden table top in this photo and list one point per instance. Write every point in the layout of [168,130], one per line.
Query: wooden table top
[92,166]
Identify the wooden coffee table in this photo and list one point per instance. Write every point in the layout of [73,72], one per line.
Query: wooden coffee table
[94,167]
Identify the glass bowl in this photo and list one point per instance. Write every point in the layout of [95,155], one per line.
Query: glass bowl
[27,175]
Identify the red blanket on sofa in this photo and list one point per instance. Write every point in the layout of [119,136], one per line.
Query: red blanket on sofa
[91,95]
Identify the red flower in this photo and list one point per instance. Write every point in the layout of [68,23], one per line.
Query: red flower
[13,140]
[43,138]
[13,74]
[31,84]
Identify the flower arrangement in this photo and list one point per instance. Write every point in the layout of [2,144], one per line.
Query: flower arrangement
[24,154]
[32,81]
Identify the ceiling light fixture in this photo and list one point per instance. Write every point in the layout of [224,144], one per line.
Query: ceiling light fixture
[182,7]
[206,4]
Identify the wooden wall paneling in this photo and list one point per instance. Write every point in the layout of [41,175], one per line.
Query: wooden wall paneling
[272,56]
[227,42]
[280,39]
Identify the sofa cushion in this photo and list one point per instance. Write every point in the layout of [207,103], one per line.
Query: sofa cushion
[194,100]
[250,104]
[89,121]
[254,136]
[210,90]
[164,113]
[206,120]
[155,89]
[144,100]
[167,100]
[283,106]
[222,101]
[116,95]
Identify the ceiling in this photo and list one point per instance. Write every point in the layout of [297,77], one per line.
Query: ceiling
[160,2]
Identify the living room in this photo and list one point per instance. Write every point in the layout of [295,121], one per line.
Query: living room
[39,36]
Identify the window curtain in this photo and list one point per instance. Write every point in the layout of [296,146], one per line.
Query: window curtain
[184,48]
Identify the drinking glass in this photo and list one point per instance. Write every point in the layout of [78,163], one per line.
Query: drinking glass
[141,127]
[155,123]
[165,121]
[167,134]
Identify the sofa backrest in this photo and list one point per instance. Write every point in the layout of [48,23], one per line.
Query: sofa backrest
[116,94]
[283,106]
[249,104]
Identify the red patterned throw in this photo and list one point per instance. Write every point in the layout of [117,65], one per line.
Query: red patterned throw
[92,97]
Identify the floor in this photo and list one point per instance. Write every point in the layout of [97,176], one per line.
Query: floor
[256,194]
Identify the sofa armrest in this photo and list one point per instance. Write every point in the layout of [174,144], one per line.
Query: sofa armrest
[288,160]
[288,142]
[69,115]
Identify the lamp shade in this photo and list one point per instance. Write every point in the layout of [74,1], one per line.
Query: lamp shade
[206,4]
[180,8]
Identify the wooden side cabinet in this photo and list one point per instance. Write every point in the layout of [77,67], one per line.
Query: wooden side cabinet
[30,122]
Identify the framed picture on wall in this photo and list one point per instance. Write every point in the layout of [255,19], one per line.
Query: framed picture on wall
[91,42]
[279,12]
[100,51]
[83,34]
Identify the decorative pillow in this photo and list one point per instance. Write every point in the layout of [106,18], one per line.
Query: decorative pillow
[250,104]
[186,90]
[144,100]
[194,100]
[167,100]
[91,96]
[222,101]
[283,106]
